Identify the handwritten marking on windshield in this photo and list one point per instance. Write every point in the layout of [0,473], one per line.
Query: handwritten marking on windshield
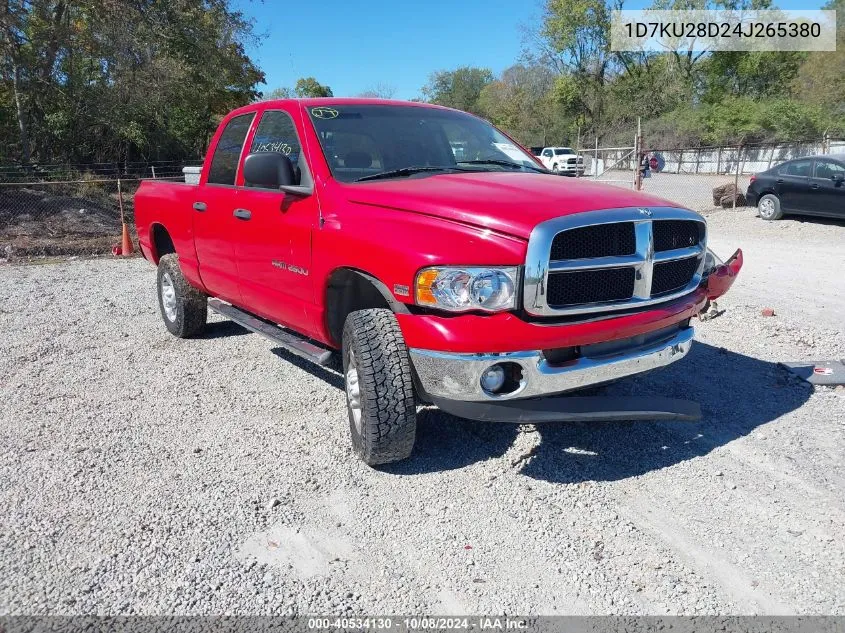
[324,112]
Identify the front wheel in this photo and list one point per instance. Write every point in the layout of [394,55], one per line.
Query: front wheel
[555,168]
[379,389]
[769,207]
[184,309]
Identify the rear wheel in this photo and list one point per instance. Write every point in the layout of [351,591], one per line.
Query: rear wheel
[379,389]
[769,207]
[184,309]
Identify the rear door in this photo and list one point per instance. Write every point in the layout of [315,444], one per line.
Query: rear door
[214,222]
[273,245]
[827,189]
[793,184]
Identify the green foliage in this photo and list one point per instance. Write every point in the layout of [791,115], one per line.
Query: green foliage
[460,88]
[310,87]
[278,93]
[821,78]
[572,83]
[115,81]
[732,73]
[741,120]
[522,103]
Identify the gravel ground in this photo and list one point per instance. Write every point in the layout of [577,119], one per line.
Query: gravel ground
[145,474]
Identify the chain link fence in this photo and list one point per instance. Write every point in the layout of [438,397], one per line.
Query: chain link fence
[60,211]
[55,210]
[703,178]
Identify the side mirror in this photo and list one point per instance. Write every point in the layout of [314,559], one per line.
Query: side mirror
[837,178]
[272,170]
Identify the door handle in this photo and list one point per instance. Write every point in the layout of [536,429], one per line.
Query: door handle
[242,214]
[199,206]
[814,186]
[779,180]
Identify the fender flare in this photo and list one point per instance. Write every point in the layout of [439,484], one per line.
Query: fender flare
[395,305]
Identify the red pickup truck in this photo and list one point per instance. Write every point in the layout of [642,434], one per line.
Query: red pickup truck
[438,256]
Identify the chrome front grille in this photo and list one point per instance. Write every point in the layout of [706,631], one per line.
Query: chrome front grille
[615,259]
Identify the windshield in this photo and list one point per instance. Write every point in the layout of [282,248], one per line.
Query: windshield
[361,141]
[564,150]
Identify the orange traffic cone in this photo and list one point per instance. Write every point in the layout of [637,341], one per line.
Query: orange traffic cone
[126,247]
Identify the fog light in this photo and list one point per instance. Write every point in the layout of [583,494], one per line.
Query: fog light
[493,378]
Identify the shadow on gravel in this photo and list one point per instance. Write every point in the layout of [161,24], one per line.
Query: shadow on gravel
[223,329]
[445,442]
[737,394]
[816,219]
[330,374]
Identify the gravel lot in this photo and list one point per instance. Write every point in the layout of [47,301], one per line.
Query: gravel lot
[694,191]
[149,475]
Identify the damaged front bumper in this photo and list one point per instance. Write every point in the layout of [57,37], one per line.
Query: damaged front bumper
[539,381]
[454,382]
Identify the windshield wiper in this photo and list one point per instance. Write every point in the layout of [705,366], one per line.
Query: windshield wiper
[503,163]
[405,171]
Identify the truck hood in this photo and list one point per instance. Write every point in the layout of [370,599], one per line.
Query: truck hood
[506,202]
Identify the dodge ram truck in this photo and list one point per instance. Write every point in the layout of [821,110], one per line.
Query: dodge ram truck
[562,160]
[475,281]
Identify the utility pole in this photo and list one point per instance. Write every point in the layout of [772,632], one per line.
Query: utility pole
[638,148]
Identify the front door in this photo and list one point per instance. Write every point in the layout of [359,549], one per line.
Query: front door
[213,212]
[827,189]
[273,245]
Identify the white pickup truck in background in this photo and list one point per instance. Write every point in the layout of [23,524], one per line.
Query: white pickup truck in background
[562,160]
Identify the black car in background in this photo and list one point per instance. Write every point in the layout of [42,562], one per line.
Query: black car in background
[813,185]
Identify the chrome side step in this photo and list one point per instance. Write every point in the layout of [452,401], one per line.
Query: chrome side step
[292,342]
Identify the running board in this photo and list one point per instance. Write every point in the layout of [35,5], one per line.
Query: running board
[294,343]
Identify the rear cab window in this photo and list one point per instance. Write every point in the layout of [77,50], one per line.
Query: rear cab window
[227,153]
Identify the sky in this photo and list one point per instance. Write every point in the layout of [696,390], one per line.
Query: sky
[354,45]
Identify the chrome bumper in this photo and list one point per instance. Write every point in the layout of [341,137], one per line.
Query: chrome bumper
[458,376]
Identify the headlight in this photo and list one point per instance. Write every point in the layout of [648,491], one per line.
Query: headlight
[711,261]
[467,288]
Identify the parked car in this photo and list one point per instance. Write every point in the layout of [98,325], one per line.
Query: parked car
[487,286]
[562,160]
[813,185]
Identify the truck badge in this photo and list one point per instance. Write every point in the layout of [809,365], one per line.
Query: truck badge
[646,212]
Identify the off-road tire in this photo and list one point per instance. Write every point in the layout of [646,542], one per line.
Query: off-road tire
[776,214]
[386,403]
[191,305]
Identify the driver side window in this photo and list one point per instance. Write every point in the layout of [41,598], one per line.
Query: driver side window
[277,133]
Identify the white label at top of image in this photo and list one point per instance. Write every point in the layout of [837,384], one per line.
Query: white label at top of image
[723,30]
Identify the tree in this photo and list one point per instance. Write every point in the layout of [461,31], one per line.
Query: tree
[310,87]
[379,91]
[113,80]
[821,78]
[460,88]
[277,93]
[522,103]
